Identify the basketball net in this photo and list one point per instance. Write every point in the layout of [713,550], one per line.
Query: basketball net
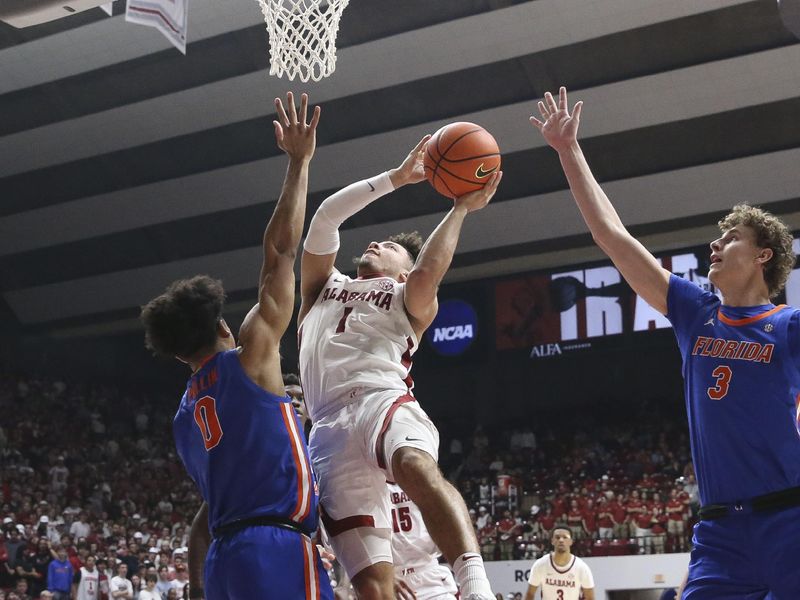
[302,36]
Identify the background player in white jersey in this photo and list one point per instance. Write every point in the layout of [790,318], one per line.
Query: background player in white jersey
[356,339]
[560,574]
[416,556]
[86,582]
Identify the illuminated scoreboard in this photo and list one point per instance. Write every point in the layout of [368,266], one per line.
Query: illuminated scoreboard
[559,311]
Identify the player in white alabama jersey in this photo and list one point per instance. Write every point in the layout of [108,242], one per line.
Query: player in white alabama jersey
[560,574]
[86,583]
[357,337]
[415,554]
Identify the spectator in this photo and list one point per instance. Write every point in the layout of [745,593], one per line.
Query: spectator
[164,584]
[86,582]
[21,589]
[150,592]
[181,579]
[483,518]
[15,547]
[58,476]
[59,575]
[120,586]
[80,528]
[103,582]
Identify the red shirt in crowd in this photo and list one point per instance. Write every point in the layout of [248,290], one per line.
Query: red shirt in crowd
[643,520]
[604,517]
[634,508]
[590,521]
[574,517]
[548,521]
[675,510]
[618,512]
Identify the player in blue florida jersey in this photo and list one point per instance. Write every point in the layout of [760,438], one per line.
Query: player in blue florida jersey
[741,365]
[235,430]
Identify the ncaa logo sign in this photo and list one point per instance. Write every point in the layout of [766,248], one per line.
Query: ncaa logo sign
[454,328]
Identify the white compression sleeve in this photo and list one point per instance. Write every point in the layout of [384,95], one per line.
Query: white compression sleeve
[323,233]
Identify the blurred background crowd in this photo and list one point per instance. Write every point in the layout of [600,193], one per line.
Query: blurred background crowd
[89,479]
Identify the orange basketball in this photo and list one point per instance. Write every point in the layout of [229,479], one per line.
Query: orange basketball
[459,158]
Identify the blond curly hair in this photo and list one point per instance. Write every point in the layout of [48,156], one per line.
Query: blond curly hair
[771,233]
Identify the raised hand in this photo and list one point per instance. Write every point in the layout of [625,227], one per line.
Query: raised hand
[559,128]
[480,198]
[293,135]
[411,169]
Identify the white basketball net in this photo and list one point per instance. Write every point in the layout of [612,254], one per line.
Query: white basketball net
[302,36]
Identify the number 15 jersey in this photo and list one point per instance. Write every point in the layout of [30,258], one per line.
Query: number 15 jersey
[742,386]
[355,339]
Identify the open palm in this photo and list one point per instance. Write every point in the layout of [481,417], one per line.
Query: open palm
[559,128]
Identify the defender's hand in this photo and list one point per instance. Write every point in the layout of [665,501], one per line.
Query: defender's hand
[480,198]
[559,128]
[293,135]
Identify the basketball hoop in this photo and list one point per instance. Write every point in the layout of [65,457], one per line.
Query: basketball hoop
[302,36]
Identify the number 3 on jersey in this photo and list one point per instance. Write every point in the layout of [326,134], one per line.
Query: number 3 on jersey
[205,415]
[723,375]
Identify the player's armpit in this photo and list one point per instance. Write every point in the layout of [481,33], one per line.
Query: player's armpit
[531,592]
[588,593]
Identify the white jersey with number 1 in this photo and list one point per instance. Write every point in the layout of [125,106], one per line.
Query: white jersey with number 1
[88,584]
[355,340]
[560,583]
[414,552]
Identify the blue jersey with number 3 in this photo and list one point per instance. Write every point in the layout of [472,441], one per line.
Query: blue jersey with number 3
[243,447]
[741,367]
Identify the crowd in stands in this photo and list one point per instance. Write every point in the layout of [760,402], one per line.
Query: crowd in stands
[624,485]
[90,487]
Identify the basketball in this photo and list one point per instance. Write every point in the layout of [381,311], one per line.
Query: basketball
[459,158]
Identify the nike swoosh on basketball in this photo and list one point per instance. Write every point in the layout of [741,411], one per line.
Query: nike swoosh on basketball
[371,187]
[480,173]
[408,439]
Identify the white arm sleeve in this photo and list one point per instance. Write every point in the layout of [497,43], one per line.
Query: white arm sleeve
[323,233]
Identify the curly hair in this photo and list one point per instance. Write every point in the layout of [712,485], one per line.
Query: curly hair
[412,242]
[771,233]
[183,320]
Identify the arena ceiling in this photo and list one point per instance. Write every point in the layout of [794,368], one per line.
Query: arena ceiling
[124,164]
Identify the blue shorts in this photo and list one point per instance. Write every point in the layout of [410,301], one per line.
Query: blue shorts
[265,562]
[747,556]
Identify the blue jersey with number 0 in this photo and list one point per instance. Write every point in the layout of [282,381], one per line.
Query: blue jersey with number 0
[741,367]
[243,447]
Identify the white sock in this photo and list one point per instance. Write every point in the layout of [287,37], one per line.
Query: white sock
[471,576]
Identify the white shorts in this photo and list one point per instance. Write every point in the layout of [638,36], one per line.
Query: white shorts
[430,582]
[351,453]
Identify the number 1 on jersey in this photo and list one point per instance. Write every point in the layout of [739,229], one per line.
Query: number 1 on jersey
[340,326]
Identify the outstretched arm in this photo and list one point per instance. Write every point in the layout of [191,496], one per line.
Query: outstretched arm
[322,241]
[267,321]
[436,255]
[638,266]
